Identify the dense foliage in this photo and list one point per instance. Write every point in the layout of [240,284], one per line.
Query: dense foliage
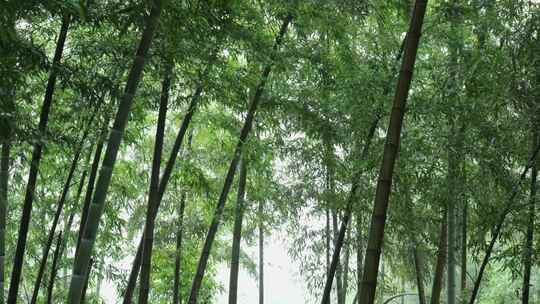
[298,92]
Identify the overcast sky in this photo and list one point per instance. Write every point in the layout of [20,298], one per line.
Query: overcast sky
[282,285]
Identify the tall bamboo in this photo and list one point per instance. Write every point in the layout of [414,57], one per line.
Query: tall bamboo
[54,268]
[144,286]
[34,164]
[237,233]
[261,252]
[527,260]
[4,176]
[384,183]
[89,233]
[136,265]
[500,222]
[201,267]
[340,237]
[178,251]
[60,205]
[440,262]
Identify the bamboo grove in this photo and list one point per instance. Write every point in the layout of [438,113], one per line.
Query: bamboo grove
[392,146]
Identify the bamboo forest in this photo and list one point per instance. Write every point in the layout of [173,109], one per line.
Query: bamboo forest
[276,151]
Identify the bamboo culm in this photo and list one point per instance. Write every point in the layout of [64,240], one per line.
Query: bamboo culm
[4,176]
[418,263]
[500,223]
[34,165]
[337,273]
[60,205]
[384,183]
[237,233]
[527,261]
[178,251]
[54,268]
[261,253]
[67,228]
[148,239]
[82,259]
[205,254]
[348,210]
[91,183]
[136,265]
[440,262]
[352,196]
[87,280]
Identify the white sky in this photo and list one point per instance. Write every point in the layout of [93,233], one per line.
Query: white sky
[282,284]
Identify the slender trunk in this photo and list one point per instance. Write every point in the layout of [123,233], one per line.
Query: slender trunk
[82,259]
[402,290]
[237,233]
[346,266]
[54,267]
[69,223]
[91,183]
[4,176]
[464,221]
[359,253]
[418,267]
[454,152]
[527,262]
[205,254]
[451,239]
[178,252]
[352,198]
[134,273]
[60,206]
[148,234]
[497,229]
[86,280]
[327,236]
[381,293]
[330,196]
[346,218]
[339,278]
[34,166]
[261,254]
[327,239]
[339,240]
[98,288]
[59,250]
[440,263]
[384,183]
